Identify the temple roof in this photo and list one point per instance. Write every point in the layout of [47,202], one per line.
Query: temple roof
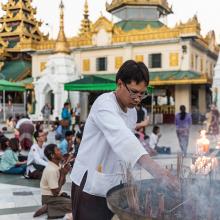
[15,70]
[116,4]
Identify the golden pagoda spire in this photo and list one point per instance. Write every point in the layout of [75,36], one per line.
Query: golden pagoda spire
[61,45]
[85,23]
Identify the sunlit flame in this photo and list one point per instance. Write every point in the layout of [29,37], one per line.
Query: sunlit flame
[204,165]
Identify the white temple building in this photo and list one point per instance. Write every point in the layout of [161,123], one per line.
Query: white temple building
[60,69]
[216,84]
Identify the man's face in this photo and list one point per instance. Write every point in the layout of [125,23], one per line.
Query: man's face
[69,138]
[42,137]
[57,154]
[131,94]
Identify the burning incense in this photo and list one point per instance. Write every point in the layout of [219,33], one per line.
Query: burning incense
[148,203]
[160,214]
[179,164]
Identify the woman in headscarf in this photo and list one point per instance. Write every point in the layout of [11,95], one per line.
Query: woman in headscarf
[183,121]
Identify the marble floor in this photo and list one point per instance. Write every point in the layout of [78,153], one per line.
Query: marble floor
[20,197]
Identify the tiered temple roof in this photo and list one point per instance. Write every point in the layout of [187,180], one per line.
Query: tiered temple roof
[17,26]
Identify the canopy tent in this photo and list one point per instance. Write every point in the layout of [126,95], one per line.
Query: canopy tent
[91,83]
[10,86]
[105,82]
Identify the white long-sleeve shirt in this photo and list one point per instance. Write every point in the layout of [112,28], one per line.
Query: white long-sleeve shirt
[36,155]
[108,141]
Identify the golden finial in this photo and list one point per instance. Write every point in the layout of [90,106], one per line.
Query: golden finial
[61,42]
[85,23]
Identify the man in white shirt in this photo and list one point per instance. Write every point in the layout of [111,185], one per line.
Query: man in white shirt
[108,139]
[37,161]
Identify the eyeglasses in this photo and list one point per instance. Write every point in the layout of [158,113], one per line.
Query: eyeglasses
[135,94]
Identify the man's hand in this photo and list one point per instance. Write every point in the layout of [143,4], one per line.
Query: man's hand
[65,169]
[170,181]
[158,172]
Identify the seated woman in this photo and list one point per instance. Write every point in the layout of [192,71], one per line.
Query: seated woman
[55,203]
[9,162]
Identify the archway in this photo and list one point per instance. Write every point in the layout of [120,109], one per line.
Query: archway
[49,96]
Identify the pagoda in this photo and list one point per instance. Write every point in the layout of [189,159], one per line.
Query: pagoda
[19,33]
[138,14]
[59,69]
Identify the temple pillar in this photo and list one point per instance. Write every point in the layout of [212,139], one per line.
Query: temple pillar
[202,99]
[84,104]
[182,97]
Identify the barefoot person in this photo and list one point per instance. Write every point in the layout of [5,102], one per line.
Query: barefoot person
[108,138]
[55,202]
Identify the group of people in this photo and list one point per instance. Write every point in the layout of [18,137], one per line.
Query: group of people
[95,151]
[69,116]
[28,153]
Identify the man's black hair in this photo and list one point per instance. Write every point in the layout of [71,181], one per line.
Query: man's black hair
[69,133]
[36,133]
[49,151]
[66,104]
[155,129]
[133,71]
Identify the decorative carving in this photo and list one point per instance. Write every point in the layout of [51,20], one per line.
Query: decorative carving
[102,23]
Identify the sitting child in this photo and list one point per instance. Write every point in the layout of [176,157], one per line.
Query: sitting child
[154,139]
